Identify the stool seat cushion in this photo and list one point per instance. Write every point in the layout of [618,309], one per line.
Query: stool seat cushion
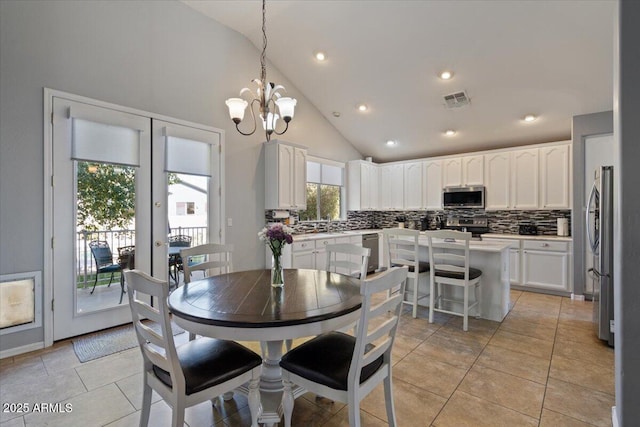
[332,369]
[206,362]
[474,273]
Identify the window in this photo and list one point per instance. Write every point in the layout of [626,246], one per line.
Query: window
[185,208]
[325,190]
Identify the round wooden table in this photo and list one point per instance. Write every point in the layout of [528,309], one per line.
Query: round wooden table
[244,306]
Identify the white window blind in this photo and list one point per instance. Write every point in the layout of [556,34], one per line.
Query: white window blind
[322,173]
[99,142]
[188,156]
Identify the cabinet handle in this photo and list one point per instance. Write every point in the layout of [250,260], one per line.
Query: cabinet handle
[545,245]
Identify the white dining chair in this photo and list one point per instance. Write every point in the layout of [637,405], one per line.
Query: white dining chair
[192,373]
[346,368]
[348,258]
[402,248]
[206,258]
[449,259]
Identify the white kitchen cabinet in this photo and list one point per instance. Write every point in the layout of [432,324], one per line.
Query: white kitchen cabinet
[473,170]
[413,186]
[497,178]
[467,170]
[524,179]
[545,265]
[433,184]
[285,176]
[391,187]
[555,177]
[362,185]
[452,172]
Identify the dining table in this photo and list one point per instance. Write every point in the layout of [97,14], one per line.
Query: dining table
[243,306]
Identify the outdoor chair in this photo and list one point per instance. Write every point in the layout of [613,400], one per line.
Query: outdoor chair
[175,260]
[192,373]
[104,260]
[126,260]
[346,368]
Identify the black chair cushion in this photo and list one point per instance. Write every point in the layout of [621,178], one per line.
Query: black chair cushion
[474,273]
[423,267]
[326,360]
[207,362]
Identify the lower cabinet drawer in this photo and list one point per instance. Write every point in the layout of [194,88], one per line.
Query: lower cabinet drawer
[545,245]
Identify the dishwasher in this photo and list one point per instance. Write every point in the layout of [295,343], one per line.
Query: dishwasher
[371,241]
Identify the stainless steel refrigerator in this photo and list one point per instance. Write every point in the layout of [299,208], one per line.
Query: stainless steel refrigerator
[599,220]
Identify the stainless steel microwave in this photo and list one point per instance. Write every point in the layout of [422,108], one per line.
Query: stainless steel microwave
[463,197]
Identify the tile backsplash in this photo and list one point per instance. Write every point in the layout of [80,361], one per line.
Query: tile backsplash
[499,221]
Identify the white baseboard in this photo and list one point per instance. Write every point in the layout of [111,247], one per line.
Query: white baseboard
[21,350]
[614,417]
[577,297]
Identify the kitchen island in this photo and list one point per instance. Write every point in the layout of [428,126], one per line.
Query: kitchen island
[489,256]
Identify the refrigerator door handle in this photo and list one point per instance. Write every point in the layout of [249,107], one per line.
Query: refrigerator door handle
[592,242]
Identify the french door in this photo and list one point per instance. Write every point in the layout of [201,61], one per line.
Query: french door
[123,184]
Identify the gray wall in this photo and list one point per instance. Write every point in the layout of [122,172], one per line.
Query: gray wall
[581,128]
[157,56]
[626,112]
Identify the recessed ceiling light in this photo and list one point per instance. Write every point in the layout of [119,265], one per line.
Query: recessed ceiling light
[529,118]
[446,75]
[320,56]
[391,143]
[450,132]
[362,107]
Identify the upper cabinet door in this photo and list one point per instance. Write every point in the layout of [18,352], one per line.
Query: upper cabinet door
[555,177]
[286,162]
[391,187]
[433,178]
[452,172]
[299,178]
[473,170]
[524,179]
[497,180]
[413,184]
[285,176]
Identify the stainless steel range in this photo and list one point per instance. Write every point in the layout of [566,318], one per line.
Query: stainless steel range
[476,225]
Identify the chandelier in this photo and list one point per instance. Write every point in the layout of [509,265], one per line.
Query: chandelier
[267,97]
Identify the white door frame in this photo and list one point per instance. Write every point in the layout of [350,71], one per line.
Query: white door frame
[48,234]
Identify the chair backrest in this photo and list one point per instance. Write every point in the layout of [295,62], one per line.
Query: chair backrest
[154,335]
[205,258]
[383,316]
[127,256]
[402,248]
[449,252]
[180,241]
[101,252]
[347,258]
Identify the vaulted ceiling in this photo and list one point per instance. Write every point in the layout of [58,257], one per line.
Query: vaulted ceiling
[553,59]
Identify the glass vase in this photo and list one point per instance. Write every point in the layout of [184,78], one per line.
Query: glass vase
[277,273]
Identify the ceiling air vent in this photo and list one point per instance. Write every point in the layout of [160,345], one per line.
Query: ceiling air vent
[456,100]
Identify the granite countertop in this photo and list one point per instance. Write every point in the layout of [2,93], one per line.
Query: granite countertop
[524,237]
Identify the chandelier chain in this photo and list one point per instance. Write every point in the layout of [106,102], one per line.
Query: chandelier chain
[263,57]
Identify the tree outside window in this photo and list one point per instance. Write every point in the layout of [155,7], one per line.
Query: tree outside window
[324,191]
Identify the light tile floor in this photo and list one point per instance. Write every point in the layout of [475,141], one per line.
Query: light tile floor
[542,366]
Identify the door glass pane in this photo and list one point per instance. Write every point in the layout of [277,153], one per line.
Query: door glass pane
[188,214]
[105,233]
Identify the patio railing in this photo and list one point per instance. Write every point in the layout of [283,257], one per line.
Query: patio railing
[85,264]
